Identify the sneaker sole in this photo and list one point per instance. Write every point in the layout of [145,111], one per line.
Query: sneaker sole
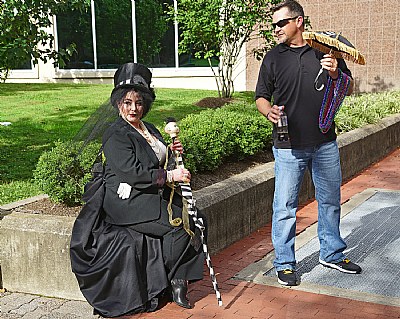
[334,266]
[284,283]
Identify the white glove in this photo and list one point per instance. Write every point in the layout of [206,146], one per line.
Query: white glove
[124,190]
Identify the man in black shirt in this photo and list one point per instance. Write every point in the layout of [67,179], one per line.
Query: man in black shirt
[286,84]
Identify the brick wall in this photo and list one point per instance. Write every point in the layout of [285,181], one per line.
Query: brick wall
[373,26]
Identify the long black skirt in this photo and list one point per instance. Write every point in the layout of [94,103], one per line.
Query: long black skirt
[119,270]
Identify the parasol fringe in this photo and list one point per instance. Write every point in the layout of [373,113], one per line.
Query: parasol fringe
[351,53]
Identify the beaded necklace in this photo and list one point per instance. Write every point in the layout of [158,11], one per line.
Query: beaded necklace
[333,99]
[158,148]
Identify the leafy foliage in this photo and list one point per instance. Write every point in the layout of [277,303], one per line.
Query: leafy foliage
[233,131]
[24,32]
[209,137]
[220,28]
[63,171]
[369,108]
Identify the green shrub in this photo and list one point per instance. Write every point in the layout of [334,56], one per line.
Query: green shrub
[369,108]
[63,171]
[233,131]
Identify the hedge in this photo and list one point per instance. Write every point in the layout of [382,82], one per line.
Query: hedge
[209,137]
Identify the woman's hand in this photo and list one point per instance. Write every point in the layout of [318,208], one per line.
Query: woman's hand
[181,175]
[124,190]
[177,146]
[329,63]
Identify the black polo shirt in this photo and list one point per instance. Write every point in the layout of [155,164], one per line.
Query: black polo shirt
[287,78]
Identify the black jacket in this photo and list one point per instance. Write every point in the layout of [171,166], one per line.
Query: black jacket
[130,159]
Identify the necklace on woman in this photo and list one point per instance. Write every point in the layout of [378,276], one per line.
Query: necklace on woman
[146,134]
[153,141]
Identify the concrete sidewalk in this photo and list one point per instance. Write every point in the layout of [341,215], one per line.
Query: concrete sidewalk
[247,300]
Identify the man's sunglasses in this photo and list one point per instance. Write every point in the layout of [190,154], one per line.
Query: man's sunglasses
[283,22]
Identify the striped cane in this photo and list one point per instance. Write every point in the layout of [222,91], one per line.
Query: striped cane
[189,203]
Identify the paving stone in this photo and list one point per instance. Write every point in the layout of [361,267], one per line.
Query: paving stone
[25,308]
[9,316]
[14,301]
[49,304]
[76,308]
[57,315]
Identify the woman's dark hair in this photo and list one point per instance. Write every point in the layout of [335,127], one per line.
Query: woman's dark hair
[119,94]
[293,7]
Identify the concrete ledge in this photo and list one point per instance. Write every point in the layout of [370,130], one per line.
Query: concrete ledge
[241,204]
[35,255]
[35,248]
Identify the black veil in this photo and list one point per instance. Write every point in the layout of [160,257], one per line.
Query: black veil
[97,124]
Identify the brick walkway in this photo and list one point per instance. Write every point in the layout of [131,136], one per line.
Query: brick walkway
[244,300]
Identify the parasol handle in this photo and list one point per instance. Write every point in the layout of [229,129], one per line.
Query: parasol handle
[316,81]
[320,72]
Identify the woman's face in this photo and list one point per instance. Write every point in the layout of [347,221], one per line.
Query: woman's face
[131,107]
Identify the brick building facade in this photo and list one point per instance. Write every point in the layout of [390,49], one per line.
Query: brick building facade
[373,26]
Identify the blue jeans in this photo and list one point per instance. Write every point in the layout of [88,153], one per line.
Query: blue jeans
[323,163]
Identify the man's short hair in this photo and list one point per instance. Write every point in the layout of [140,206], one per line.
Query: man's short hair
[294,8]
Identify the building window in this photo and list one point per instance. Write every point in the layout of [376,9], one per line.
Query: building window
[114,42]
[154,34]
[75,27]
[114,32]
[25,66]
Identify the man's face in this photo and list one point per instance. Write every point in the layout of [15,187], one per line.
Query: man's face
[285,25]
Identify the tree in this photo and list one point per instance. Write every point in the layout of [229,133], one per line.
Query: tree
[23,32]
[220,28]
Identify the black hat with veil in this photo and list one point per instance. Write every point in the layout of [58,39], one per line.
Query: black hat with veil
[128,76]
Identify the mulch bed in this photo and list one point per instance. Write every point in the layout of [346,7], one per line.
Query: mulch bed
[213,102]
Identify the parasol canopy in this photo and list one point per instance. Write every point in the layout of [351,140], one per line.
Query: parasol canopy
[334,43]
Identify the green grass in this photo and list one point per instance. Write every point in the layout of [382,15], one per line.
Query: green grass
[44,113]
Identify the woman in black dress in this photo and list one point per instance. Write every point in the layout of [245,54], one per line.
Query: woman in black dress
[139,255]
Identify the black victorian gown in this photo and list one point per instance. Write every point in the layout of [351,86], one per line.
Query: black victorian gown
[119,269]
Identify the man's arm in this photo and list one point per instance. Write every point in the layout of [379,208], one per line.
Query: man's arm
[264,106]
[271,112]
[351,87]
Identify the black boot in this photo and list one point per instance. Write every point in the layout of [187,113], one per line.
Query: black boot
[179,293]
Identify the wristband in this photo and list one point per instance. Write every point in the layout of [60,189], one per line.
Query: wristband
[170,178]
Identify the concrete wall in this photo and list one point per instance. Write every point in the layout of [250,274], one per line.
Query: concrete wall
[34,254]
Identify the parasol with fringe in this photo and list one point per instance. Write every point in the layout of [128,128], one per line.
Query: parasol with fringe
[333,43]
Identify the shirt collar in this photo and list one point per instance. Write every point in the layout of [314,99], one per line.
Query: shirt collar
[284,47]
